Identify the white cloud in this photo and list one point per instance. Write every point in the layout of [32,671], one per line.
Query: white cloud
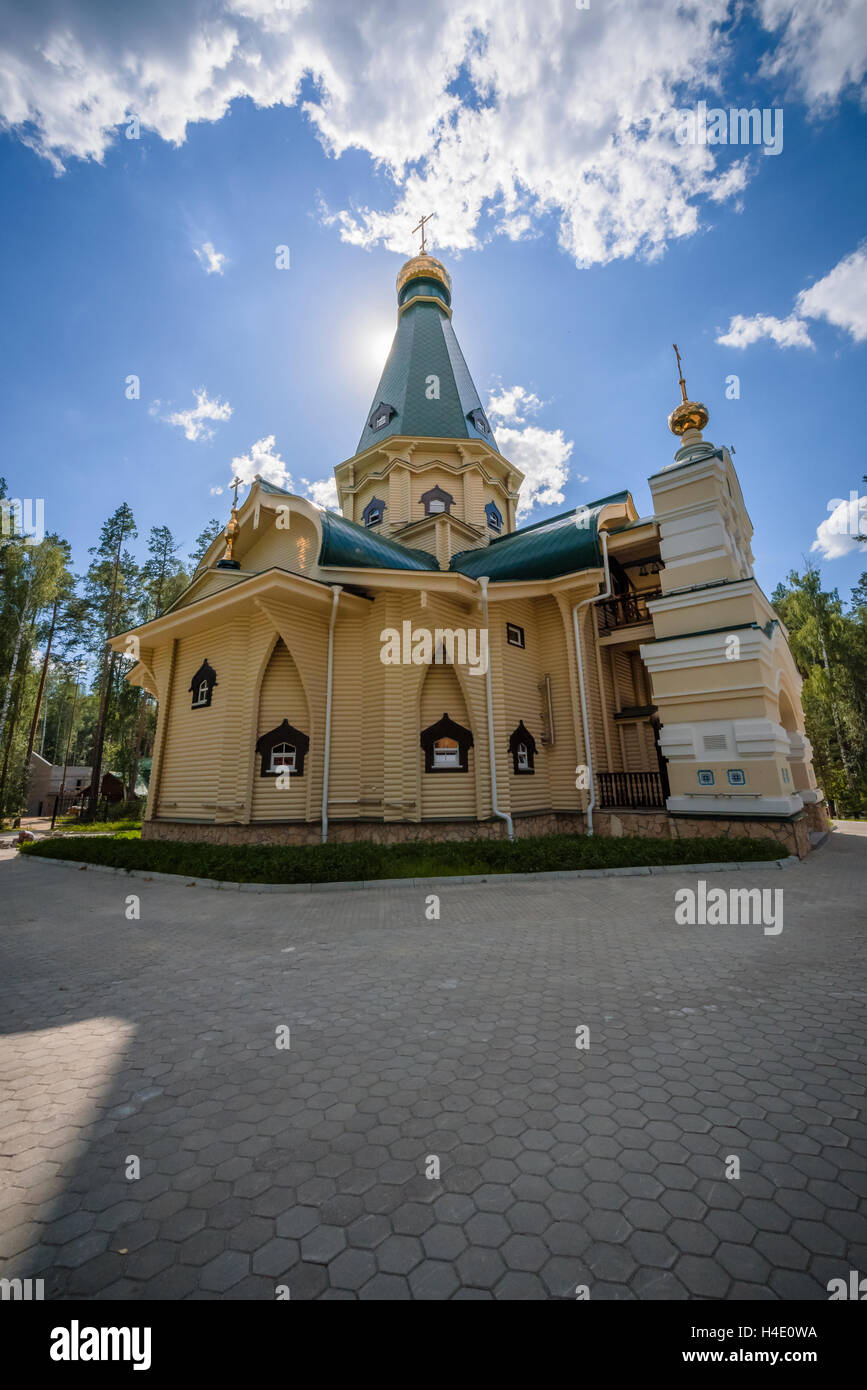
[264,458]
[837,535]
[322,493]
[822,46]
[216,491]
[840,297]
[742,331]
[542,455]
[212,260]
[195,423]
[512,405]
[501,114]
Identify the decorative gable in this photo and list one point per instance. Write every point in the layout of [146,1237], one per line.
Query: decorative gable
[479,420]
[381,415]
[282,750]
[437,500]
[202,685]
[446,746]
[374,512]
[522,747]
[495,519]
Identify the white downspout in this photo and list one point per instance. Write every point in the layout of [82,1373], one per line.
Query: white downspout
[501,815]
[336,592]
[580,660]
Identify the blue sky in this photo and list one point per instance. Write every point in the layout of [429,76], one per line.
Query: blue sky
[579,250]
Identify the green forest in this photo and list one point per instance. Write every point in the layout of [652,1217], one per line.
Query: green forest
[63,694]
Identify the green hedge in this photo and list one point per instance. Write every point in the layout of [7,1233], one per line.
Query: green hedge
[352,862]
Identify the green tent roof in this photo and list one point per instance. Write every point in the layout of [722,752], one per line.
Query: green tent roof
[425,346]
[346,543]
[546,550]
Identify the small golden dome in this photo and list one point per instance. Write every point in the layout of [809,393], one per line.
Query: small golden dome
[689,415]
[424,267]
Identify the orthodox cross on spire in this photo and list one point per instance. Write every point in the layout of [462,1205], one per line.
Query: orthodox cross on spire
[236,483]
[420,228]
[680,381]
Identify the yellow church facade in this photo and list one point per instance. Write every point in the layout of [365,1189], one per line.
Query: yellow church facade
[415,666]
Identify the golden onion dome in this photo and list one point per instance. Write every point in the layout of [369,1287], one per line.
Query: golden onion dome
[424,267]
[689,415]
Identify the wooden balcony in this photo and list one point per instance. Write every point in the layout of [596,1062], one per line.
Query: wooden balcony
[628,610]
[634,791]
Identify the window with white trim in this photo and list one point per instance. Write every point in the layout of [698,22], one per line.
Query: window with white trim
[283,758]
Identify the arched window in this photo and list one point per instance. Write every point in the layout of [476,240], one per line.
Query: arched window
[522,747]
[202,686]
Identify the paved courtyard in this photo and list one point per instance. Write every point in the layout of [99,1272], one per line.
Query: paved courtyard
[419,1047]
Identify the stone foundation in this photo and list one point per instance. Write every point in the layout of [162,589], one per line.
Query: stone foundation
[792,836]
[342,832]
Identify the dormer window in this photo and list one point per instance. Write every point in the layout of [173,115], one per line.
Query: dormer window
[202,686]
[381,415]
[374,512]
[495,520]
[436,500]
[479,420]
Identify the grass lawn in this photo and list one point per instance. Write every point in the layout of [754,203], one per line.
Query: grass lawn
[352,862]
[100,827]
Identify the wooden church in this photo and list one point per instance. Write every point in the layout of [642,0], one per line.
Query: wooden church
[415,666]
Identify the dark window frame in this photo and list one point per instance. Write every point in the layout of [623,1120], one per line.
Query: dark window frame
[206,675]
[376,504]
[522,738]
[492,511]
[438,494]
[284,733]
[446,728]
[515,627]
[479,420]
[382,408]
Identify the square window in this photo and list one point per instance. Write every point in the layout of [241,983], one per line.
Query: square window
[446,753]
[436,504]
[283,758]
[705,777]
[736,777]
[514,635]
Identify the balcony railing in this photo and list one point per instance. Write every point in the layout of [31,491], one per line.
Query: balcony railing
[625,611]
[641,791]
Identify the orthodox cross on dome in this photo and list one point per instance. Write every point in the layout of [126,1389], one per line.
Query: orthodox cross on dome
[236,483]
[680,381]
[420,228]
